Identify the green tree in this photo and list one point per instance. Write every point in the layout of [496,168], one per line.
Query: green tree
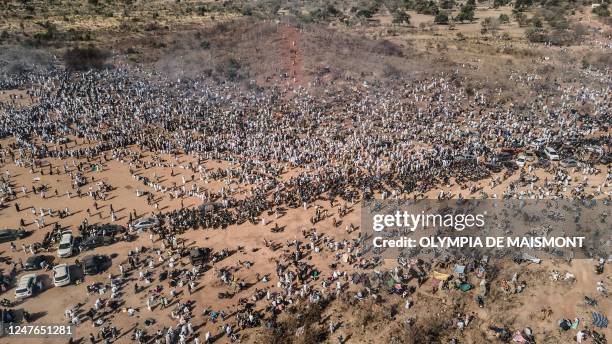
[466,14]
[447,4]
[426,7]
[441,18]
[500,3]
[504,19]
[522,4]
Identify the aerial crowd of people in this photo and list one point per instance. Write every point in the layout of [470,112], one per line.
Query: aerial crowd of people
[323,152]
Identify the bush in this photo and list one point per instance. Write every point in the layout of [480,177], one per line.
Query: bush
[504,19]
[521,5]
[602,10]
[466,14]
[535,35]
[556,37]
[365,13]
[84,58]
[499,3]
[400,17]
[427,7]
[447,4]
[324,13]
[521,19]
[441,18]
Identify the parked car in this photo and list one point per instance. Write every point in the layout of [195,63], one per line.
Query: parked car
[108,229]
[96,241]
[26,286]
[538,143]
[146,223]
[551,154]
[66,245]
[7,235]
[568,162]
[503,156]
[521,160]
[199,256]
[34,262]
[92,264]
[61,275]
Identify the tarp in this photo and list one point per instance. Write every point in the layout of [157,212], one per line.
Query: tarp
[600,320]
[565,324]
[465,286]
[518,337]
[440,276]
[459,269]
[531,258]
[576,323]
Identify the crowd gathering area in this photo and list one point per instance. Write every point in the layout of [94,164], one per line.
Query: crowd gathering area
[153,209]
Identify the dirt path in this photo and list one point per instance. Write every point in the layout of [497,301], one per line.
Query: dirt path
[290,54]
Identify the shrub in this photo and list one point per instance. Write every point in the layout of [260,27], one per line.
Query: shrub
[427,7]
[365,13]
[447,4]
[522,4]
[535,35]
[499,3]
[602,10]
[521,19]
[400,17]
[466,14]
[441,18]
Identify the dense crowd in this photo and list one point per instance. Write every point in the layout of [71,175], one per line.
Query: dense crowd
[347,144]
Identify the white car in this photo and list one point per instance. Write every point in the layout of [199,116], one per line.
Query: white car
[25,287]
[551,154]
[538,143]
[521,160]
[65,247]
[146,223]
[61,275]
